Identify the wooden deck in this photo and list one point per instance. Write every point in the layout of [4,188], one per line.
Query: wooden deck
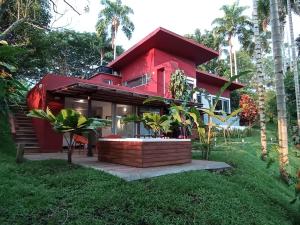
[145,152]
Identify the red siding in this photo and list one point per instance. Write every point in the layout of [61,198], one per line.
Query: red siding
[212,89]
[100,79]
[188,66]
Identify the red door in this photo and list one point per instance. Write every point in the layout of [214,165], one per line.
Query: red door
[161,88]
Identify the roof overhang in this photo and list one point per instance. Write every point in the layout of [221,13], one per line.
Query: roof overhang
[216,80]
[101,93]
[167,41]
[109,93]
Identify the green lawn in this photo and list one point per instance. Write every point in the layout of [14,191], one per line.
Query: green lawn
[52,192]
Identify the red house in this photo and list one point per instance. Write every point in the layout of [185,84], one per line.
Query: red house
[119,89]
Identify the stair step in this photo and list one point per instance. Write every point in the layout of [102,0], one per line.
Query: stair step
[20,135]
[27,142]
[25,138]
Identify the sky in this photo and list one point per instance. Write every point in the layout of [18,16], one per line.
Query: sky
[181,17]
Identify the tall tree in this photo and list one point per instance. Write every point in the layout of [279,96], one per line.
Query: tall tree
[112,17]
[233,25]
[280,91]
[217,66]
[294,62]
[260,78]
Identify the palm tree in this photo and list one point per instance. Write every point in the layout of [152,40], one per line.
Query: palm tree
[112,17]
[280,91]
[233,24]
[294,61]
[260,78]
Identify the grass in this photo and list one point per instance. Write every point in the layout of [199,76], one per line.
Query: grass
[52,192]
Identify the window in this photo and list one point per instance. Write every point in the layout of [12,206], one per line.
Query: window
[219,104]
[226,106]
[137,81]
[199,98]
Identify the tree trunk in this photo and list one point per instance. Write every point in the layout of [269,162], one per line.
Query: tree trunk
[115,46]
[230,59]
[294,63]
[260,79]
[70,148]
[280,91]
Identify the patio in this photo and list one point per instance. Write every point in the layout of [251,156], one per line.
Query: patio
[130,173]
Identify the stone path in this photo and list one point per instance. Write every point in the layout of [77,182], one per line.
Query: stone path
[129,173]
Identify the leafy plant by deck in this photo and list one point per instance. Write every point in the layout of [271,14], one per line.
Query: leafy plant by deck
[69,120]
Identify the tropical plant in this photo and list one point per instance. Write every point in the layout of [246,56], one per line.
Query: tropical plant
[233,25]
[159,124]
[69,120]
[179,86]
[112,17]
[212,114]
[12,91]
[249,110]
[280,91]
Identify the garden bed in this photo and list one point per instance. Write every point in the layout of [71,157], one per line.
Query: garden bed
[147,152]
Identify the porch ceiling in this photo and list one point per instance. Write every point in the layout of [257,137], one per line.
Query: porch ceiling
[101,93]
[108,94]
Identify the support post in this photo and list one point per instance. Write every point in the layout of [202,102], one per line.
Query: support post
[90,136]
[113,118]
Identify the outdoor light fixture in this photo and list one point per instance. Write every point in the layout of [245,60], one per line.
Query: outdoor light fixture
[124,109]
[80,101]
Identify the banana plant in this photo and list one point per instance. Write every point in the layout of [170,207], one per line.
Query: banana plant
[69,120]
[157,123]
[153,121]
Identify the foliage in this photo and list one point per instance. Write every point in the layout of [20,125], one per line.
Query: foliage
[69,120]
[290,97]
[20,18]
[271,107]
[233,24]
[12,91]
[179,87]
[249,109]
[297,188]
[153,121]
[216,66]
[114,15]
[296,135]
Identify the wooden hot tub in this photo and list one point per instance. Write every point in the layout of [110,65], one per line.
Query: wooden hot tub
[147,152]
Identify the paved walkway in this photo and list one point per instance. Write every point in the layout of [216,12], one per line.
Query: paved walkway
[129,173]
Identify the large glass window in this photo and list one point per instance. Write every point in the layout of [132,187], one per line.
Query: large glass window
[222,105]
[124,130]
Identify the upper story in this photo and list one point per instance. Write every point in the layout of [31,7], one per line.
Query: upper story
[148,65]
[146,68]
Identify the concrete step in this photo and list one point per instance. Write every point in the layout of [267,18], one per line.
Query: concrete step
[31,149]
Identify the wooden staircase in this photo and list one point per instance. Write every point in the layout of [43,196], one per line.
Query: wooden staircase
[25,133]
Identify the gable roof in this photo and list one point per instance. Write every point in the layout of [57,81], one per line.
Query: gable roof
[170,42]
